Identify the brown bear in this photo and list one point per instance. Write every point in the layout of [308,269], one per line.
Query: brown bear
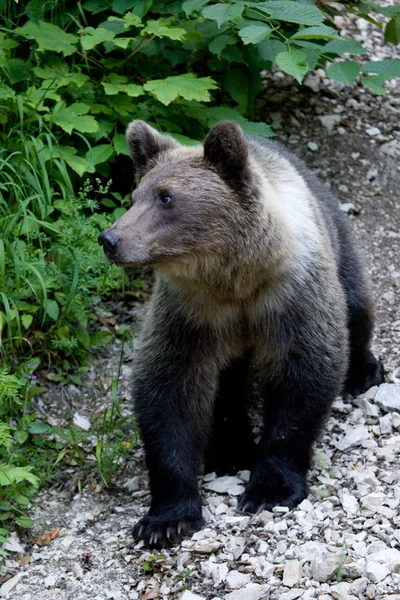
[256,272]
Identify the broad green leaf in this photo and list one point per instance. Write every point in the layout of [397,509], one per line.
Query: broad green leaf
[294,63]
[83,337]
[222,13]
[392,31]
[317,32]
[161,28]
[96,6]
[24,522]
[387,68]
[100,338]
[37,427]
[257,129]
[291,11]
[220,42]
[236,83]
[21,436]
[121,6]
[253,34]
[26,320]
[52,309]
[79,164]
[18,69]
[72,117]
[343,45]
[120,144]
[48,37]
[191,6]
[129,20]
[60,77]
[374,83]
[233,54]
[99,154]
[185,141]
[270,49]
[91,37]
[6,92]
[186,86]
[211,116]
[118,83]
[345,71]
[16,475]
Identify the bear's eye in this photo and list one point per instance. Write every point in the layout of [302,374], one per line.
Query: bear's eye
[165,199]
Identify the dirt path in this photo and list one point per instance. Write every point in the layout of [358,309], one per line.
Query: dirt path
[350,523]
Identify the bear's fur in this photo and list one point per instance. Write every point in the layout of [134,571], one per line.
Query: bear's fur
[255,270]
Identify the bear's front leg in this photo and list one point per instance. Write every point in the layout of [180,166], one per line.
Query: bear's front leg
[175,387]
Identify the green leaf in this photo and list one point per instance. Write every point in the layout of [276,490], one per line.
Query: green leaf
[291,11]
[211,116]
[83,337]
[317,32]
[73,117]
[18,70]
[99,154]
[91,37]
[48,37]
[253,34]
[120,144]
[129,20]
[24,522]
[26,320]
[79,164]
[182,139]
[100,338]
[36,427]
[387,68]
[186,86]
[257,129]
[52,309]
[191,6]
[4,506]
[345,71]
[343,45]
[222,13]
[11,475]
[220,42]
[392,31]
[374,84]
[118,83]
[294,63]
[270,49]
[236,83]
[21,436]
[6,92]
[161,28]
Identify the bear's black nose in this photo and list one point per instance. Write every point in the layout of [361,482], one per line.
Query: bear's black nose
[109,241]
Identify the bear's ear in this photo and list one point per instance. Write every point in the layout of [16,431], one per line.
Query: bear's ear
[145,143]
[226,149]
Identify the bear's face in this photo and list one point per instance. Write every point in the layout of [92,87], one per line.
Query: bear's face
[190,202]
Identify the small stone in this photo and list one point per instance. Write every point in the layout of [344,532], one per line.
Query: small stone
[347,207]
[354,437]
[253,591]
[355,155]
[132,484]
[235,579]
[391,148]
[329,121]
[324,565]
[188,595]
[50,581]
[13,545]
[373,502]
[10,584]
[292,594]
[376,571]
[221,485]
[81,422]
[372,131]
[390,557]
[369,409]
[349,503]
[281,547]
[66,541]
[292,573]
[388,397]
[312,146]
[385,424]
[207,546]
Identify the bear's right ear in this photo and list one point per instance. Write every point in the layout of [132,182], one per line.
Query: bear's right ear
[145,143]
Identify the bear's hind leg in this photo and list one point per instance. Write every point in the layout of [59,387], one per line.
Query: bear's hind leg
[232,446]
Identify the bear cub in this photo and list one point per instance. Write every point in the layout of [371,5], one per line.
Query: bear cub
[257,276]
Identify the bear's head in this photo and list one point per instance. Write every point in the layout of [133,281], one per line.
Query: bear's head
[192,205]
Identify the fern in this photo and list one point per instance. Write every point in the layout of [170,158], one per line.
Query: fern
[5,436]
[9,385]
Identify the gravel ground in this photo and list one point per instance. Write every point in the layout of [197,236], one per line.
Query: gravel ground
[342,542]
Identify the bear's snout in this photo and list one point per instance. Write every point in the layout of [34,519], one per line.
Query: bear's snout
[110,242]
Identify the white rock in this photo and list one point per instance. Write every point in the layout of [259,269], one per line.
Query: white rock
[292,573]
[66,541]
[132,484]
[390,557]
[236,520]
[391,148]
[235,579]
[253,591]
[207,546]
[349,503]
[221,485]
[292,594]
[388,397]
[354,437]
[329,121]
[50,581]
[373,502]
[386,424]
[6,588]
[324,565]
[312,146]
[81,422]
[235,490]
[13,544]
[188,595]
[372,131]
[376,571]
[347,207]
[369,409]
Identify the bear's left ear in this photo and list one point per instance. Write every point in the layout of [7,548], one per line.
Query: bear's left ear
[226,149]
[145,143]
